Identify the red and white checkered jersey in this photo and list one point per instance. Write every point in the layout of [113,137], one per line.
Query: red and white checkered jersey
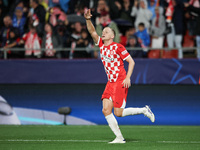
[112,57]
[49,46]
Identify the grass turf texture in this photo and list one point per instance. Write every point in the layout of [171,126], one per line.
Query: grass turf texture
[28,137]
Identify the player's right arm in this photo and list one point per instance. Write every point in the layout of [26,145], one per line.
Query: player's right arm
[90,26]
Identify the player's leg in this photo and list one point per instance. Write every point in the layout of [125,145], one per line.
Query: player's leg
[120,112]
[107,107]
[119,102]
[136,111]
[112,122]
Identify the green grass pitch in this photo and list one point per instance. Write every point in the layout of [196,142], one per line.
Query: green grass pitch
[33,137]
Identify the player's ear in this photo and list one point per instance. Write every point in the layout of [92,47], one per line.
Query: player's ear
[112,36]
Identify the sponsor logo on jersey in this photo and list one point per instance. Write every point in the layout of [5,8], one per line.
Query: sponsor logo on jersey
[124,52]
[107,59]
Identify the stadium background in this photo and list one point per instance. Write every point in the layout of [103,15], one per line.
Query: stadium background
[169,86]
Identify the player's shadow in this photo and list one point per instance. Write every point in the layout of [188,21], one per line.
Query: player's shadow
[133,140]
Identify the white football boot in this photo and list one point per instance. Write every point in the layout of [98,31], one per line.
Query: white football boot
[118,140]
[149,114]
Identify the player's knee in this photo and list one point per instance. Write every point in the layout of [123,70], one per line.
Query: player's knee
[118,114]
[106,111]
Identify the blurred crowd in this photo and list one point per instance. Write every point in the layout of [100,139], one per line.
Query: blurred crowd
[44,28]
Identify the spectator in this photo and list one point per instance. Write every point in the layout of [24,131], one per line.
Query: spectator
[194,9]
[2,12]
[106,21]
[143,37]
[151,6]
[114,9]
[37,14]
[177,27]
[64,4]
[19,20]
[75,37]
[72,4]
[5,30]
[133,43]
[125,7]
[13,42]
[61,30]
[56,16]
[44,3]
[79,9]
[128,33]
[51,42]
[158,28]
[19,3]
[101,7]
[83,41]
[32,43]
[142,13]
[65,33]
[91,4]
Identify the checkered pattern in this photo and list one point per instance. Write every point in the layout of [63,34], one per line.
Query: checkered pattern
[49,46]
[112,57]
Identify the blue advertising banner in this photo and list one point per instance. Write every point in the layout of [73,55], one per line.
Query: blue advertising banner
[171,104]
[146,71]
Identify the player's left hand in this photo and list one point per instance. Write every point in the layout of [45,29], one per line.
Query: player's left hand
[127,82]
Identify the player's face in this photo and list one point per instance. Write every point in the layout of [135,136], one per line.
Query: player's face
[107,34]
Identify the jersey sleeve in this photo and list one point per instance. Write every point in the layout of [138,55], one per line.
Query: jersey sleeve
[122,52]
[100,42]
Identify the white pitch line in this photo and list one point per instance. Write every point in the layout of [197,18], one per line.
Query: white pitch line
[103,141]
[53,141]
[179,142]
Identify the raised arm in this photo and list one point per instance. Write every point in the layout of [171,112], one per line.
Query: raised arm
[90,26]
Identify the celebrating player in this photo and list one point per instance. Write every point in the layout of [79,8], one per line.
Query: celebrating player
[115,93]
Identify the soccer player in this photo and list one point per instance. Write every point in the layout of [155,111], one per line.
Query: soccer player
[115,93]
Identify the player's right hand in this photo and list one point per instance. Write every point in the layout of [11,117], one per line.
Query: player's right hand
[88,14]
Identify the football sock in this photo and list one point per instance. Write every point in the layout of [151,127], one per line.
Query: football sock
[112,122]
[133,111]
